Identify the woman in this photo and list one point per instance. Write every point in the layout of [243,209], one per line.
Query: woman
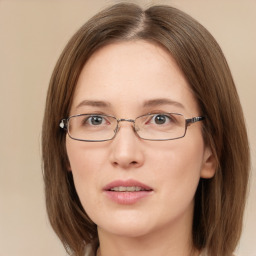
[145,149]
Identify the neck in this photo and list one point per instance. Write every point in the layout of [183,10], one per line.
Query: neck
[160,242]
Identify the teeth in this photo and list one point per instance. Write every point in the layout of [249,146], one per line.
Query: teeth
[127,189]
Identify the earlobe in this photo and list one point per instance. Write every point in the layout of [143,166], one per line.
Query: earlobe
[69,168]
[209,164]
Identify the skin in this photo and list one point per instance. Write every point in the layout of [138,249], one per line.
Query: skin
[126,75]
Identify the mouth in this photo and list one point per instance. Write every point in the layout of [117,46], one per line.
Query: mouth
[127,192]
[127,186]
[128,189]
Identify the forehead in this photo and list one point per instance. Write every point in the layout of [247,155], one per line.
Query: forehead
[126,74]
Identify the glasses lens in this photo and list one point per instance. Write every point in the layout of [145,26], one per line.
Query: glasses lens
[161,126]
[92,127]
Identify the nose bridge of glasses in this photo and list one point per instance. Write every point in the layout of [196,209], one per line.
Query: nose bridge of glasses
[124,120]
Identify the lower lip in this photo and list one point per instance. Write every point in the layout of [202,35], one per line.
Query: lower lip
[127,197]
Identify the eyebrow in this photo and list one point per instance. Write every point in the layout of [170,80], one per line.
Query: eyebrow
[93,103]
[148,103]
[162,101]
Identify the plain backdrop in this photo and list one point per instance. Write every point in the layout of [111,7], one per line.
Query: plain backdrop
[32,36]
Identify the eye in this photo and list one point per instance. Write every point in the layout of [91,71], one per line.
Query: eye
[96,120]
[161,119]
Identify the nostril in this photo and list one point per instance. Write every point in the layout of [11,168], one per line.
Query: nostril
[133,163]
[115,163]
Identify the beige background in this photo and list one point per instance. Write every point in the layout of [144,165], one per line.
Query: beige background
[32,35]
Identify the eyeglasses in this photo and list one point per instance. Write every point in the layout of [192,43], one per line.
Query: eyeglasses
[152,126]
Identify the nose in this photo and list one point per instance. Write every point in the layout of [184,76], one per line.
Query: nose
[126,148]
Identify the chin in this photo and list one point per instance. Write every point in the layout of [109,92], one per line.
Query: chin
[127,231]
[126,227]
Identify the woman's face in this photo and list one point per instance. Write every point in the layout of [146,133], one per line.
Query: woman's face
[126,80]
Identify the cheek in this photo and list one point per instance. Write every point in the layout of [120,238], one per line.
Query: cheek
[180,155]
[84,158]
[178,166]
[85,164]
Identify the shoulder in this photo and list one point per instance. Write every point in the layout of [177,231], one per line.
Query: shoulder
[204,253]
[89,250]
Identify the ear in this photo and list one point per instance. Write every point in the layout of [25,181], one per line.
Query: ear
[68,166]
[209,164]
[67,162]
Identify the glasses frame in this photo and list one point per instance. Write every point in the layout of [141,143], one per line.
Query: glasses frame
[188,121]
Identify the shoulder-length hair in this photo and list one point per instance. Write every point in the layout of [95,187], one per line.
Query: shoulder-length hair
[220,201]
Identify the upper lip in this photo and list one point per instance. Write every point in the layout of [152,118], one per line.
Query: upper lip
[126,183]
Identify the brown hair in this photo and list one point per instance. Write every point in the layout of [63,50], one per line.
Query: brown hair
[220,201]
